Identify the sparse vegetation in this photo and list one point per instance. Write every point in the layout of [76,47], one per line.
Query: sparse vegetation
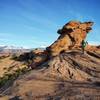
[14,56]
[13,70]
[23,57]
[12,76]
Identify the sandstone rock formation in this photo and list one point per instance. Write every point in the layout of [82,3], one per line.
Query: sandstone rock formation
[39,57]
[68,76]
[75,65]
[71,36]
[64,72]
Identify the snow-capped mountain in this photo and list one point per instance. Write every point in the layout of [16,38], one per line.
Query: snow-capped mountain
[12,49]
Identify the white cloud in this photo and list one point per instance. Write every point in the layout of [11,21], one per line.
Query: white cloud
[94,43]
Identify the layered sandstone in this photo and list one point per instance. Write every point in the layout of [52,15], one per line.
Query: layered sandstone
[61,71]
[71,36]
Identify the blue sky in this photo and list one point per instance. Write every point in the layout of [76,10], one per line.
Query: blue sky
[34,23]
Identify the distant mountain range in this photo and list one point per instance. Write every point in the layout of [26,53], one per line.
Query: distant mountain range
[13,49]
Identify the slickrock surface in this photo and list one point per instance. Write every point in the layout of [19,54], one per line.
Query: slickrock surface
[62,71]
[71,36]
[68,76]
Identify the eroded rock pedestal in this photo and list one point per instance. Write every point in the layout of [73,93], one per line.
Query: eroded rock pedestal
[71,36]
[65,59]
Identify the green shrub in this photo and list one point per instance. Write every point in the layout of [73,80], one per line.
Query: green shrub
[14,57]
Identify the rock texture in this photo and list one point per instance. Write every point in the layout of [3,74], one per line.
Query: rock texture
[39,57]
[71,36]
[68,76]
[62,71]
[75,65]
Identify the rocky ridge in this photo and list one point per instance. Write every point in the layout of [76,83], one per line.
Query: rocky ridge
[62,71]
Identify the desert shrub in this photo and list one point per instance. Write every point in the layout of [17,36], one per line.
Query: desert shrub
[12,76]
[3,80]
[25,56]
[14,57]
